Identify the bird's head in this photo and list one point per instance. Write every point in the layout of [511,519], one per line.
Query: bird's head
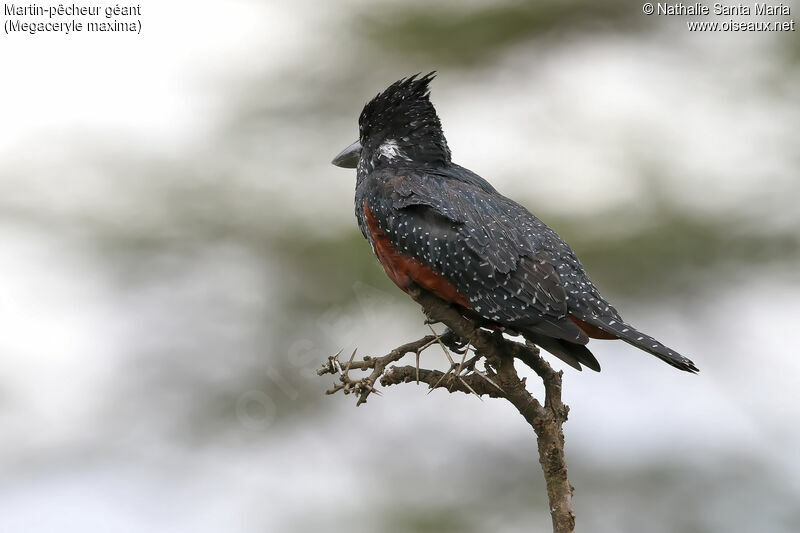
[398,127]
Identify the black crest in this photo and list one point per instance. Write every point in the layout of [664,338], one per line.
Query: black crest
[403,116]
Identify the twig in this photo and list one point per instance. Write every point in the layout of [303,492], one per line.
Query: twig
[499,381]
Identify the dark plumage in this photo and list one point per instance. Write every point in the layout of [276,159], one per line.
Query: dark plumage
[443,227]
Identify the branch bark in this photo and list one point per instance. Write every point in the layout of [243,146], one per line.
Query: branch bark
[499,380]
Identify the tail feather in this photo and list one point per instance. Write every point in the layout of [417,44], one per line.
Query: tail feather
[645,342]
[571,353]
[562,329]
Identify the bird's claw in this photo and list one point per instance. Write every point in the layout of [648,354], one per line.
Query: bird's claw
[455,343]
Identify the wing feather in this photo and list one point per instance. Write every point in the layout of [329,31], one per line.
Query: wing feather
[483,243]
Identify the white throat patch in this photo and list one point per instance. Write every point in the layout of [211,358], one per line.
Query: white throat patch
[391,150]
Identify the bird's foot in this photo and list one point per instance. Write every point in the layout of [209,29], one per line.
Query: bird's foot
[454,342]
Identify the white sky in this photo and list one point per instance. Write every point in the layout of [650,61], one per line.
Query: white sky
[155,90]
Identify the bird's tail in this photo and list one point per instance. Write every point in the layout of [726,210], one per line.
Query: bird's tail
[571,353]
[645,342]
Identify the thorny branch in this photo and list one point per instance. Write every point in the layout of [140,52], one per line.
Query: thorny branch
[499,380]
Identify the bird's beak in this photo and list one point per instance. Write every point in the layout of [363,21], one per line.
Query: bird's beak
[348,158]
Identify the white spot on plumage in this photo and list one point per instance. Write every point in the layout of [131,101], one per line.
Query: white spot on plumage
[391,150]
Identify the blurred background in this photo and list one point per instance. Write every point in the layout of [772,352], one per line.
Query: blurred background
[179,257]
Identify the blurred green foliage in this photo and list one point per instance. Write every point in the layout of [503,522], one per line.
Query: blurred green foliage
[464,36]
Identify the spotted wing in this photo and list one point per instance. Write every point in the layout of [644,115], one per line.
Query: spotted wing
[493,251]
